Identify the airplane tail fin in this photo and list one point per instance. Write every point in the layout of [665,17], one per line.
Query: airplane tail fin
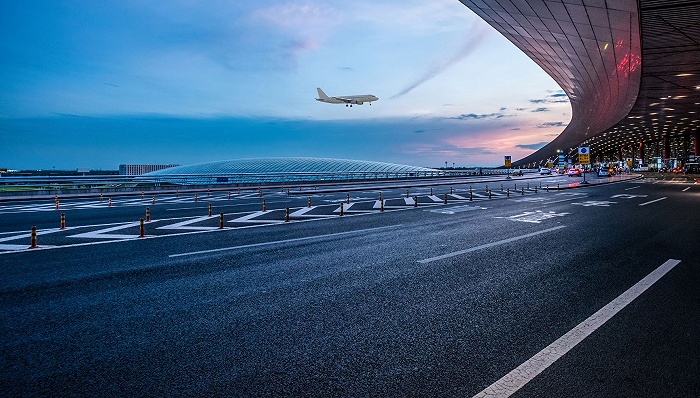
[321,94]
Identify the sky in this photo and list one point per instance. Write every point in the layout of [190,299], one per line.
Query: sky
[94,84]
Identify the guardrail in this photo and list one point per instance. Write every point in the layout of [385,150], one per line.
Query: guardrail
[51,185]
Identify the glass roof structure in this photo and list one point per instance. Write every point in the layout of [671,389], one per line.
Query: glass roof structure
[257,170]
[631,68]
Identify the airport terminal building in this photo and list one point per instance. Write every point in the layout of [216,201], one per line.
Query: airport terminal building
[631,69]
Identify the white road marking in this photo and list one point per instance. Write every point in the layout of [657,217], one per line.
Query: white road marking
[456,209]
[598,203]
[523,374]
[186,224]
[653,201]
[101,233]
[13,247]
[279,242]
[685,189]
[535,217]
[628,196]
[487,245]
[629,189]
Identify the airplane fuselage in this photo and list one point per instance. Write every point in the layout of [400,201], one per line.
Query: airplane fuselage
[348,100]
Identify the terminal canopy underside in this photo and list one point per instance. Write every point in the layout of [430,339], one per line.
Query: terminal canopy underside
[630,68]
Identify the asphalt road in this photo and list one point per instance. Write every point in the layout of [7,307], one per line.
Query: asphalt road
[435,300]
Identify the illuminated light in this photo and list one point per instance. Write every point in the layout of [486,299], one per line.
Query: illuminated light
[679,96]
[684,74]
[654,104]
[668,109]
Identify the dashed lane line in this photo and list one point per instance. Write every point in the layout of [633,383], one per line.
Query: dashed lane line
[487,245]
[653,201]
[685,189]
[279,242]
[528,370]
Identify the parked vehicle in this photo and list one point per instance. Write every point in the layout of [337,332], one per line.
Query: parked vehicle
[545,170]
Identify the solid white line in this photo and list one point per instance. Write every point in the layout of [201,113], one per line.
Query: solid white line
[520,376]
[487,245]
[655,200]
[685,189]
[278,242]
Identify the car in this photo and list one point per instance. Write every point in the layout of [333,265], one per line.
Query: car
[545,170]
[518,173]
[642,167]
[677,170]
[574,172]
[604,172]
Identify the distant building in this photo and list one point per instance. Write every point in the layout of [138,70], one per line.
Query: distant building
[138,169]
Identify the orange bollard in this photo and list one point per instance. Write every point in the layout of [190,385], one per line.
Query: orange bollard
[142,195]
[109,203]
[286,215]
[489,194]
[100,198]
[450,190]
[347,198]
[341,208]
[415,201]
[309,201]
[522,191]
[471,198]
[148,214]
[153,200]
[208,192]
[195,197]
[221,220]
[445,198]
[407,193]
[229,195]
[264,205]
[239,191]
[507,192]
[381,205]
[260,192]
[56,204]
[34,245]
[143,230]
[63,220]
[431,191]
[209,209]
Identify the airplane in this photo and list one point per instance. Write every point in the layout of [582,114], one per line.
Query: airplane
[348,100]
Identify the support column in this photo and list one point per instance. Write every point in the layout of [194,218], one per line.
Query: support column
[619,154]
[696,145]
[667,147]
[641,152]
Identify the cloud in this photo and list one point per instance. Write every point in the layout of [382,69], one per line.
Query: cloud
[540,110]
[552,124]
[558,97]
[345,68]
[474,116]
[532,146]
[475,38]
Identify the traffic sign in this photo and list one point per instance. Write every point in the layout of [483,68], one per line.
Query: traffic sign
[584,155]
[508,162]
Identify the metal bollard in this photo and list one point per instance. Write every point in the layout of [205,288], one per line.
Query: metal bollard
[56,204]
[148,214]
[63,220]
[143,230]
[259,191]
[489,194]
[239,191]
[142,195]
[507,192]
[487,187]
[210,209]
[153,200]
[470,195]
[445,198]
[286,215]
[515,186]
[535,189]
[229,195]
[221,220]
[100,197]
[381,205]
[264,205]
[109,203]
[208,192]
[450,190]
[415,201]
[407,193]
[309,201]
[347,198]
[288,192]
[195,197]
[522,191]
[34,245]
[380,196]
[547,187]
[341,208]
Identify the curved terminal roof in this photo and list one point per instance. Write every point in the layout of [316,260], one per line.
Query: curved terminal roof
[288,165]
[287,169]
[631,68]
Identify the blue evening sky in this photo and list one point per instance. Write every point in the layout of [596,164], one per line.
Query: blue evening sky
[92,84]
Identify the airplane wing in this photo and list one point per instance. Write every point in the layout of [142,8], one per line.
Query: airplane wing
[344,99]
